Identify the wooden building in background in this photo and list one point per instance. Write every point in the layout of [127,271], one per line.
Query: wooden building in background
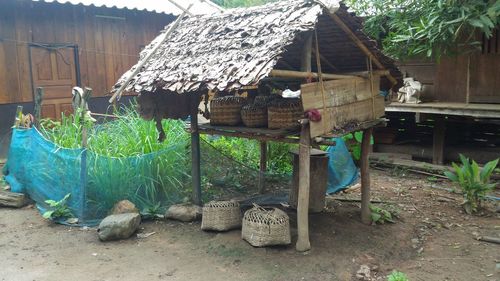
[59,46]
[460,108]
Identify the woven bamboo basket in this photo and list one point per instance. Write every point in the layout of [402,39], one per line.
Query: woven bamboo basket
[284,113]
[221,216]
[226,110]
[254,115]
[266,100]
[266,227]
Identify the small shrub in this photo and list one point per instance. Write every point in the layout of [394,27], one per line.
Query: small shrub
[397,276]
[58,209]
[474,181]
[380,215]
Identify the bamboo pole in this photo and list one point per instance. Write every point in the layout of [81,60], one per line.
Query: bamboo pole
[181,8]
[195,158]
[303,243]
[139,66]
[262,166]
[360,45]
[303,74]
[365,177]
[305,60]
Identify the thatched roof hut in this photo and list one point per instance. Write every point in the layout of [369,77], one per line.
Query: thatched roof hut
[239,47]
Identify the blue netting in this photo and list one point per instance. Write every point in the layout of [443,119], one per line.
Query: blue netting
[342,172]
[45,171]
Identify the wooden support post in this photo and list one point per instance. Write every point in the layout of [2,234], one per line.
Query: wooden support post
[365,177]
[263,166]
[19,116]
[195,158]
[438,139]
[303,243]
[38,105]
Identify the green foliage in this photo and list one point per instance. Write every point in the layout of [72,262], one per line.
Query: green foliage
[380,215]
[353,142]
[153,211]
[58,209]
[397,276]
[241,3]
[474,181]
[429,28]
[248,152]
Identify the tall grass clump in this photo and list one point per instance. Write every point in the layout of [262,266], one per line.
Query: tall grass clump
[125,160]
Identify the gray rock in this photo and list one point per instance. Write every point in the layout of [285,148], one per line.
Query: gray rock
[121,226]
[124,207]
[184,212]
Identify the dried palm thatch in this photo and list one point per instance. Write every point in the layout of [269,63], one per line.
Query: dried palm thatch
[241,46]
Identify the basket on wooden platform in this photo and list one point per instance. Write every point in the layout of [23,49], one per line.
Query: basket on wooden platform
[226,110]
[266,227]
[284,113]
[221,215]
[254,115]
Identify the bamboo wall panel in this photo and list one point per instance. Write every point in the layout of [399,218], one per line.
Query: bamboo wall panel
[109,42]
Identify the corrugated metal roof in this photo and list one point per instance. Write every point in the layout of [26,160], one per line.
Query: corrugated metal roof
[158,6]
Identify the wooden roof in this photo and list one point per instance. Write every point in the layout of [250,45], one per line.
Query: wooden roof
[241,46]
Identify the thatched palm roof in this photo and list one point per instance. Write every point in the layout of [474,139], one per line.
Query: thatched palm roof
[241,46]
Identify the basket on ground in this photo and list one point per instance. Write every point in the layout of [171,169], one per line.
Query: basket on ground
[284,113]
[266,227]
[221,215]
[254,115]
[226,110]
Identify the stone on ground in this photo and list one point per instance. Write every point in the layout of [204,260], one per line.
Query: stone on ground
[121,226]
[124,207]
[184,212]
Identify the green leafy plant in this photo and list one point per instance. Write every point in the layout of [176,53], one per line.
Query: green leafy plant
[397,276]
[429,28]
[473,180]
[58,209]
[380,215]
[353,142]
[153,211]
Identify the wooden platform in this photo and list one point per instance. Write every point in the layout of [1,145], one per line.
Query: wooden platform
[478,110]
[283,135]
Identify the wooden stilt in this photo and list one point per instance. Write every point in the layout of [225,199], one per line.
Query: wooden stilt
[365,177]
[438,140]
[263,166]
[303,243]
[195,158]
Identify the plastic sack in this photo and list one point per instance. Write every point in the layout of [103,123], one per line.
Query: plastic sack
[342,172]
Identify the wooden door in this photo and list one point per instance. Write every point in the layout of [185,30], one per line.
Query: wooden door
[54,70]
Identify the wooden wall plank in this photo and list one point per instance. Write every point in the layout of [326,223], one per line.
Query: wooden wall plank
[10,89]
[337,117]
[337,92]
[451,79]
[23,27]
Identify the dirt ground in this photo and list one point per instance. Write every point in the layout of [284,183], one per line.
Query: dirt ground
[432,240]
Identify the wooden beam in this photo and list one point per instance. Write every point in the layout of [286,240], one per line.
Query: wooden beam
[302,74]
[303,243]
[365,177]
[325,60]
[263,166]
[12,199]
[438,138]
[181,8]
[213,5]
[305,59]
[362,46]
[195,158]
